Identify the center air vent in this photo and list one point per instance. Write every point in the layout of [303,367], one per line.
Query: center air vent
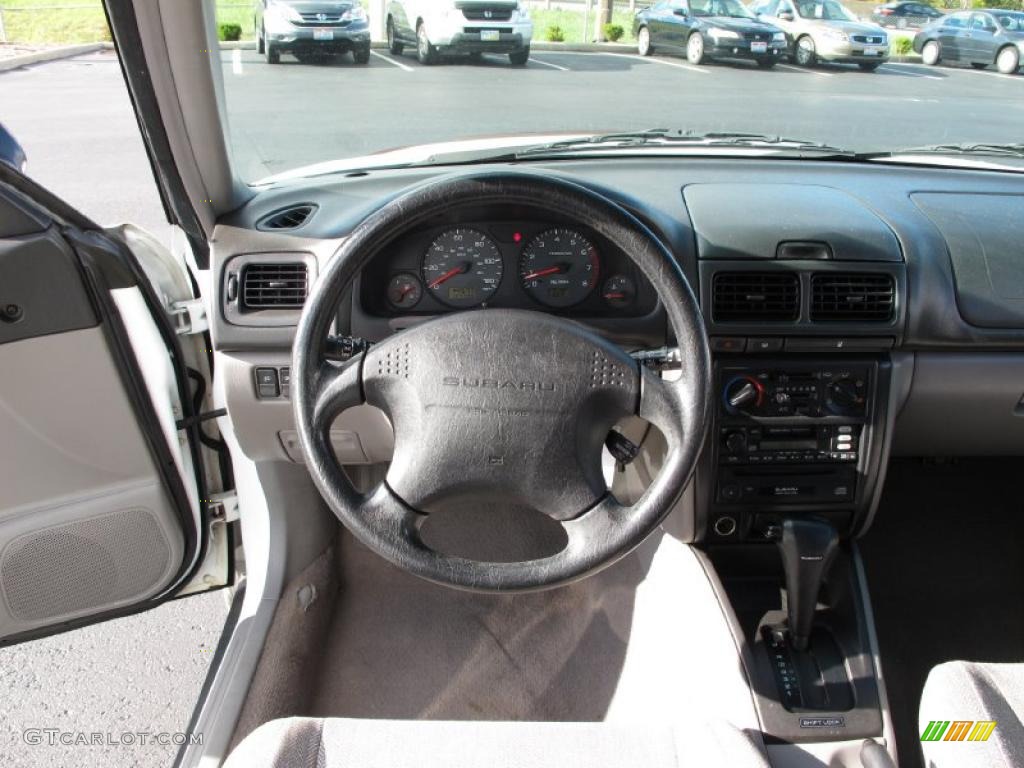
[852,296]
[274,286]
[288,218]
[756,296]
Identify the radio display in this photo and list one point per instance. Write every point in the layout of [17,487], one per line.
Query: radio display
[806,444]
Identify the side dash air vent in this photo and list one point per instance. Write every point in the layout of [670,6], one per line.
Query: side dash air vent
[853,297]
[274,286]
[288,218]
[756,296]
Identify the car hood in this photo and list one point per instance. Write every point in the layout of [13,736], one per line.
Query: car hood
[320,6]
[849,27]
[494,5]
[738,25]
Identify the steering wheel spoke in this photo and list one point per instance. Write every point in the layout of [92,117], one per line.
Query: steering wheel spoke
[336,388]
[662,404]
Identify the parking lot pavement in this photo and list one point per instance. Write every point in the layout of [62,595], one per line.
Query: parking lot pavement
[288,115]
[140,673]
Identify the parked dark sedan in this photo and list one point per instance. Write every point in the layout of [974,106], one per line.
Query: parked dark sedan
[312,29]
[904,15]
[708,29]
[979,38]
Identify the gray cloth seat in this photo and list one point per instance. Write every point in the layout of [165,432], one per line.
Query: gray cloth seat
[962,691]
[349,743]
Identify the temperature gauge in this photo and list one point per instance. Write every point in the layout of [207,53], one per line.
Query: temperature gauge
[619,291]
[405,291]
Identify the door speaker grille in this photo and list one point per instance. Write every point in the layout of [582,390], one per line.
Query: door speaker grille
[84,566]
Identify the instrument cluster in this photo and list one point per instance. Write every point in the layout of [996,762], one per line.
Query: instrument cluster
[528,264]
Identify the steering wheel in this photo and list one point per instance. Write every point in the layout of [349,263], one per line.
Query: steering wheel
[501,404]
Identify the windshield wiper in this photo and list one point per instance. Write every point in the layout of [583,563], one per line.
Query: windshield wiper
[662,137]
[994,150]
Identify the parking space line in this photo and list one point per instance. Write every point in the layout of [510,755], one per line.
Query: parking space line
[652,60]
[389,60]
[535,60]
[907,72]
[236,61]
[1017,77]
[805,70]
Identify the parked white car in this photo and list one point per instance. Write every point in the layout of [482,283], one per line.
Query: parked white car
[460,27]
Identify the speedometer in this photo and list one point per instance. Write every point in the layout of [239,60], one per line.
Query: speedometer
[462,268]
[559,268]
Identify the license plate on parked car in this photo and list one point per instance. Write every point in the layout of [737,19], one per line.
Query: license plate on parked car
[323,34]
[759,47]
[490,35]
[871,51]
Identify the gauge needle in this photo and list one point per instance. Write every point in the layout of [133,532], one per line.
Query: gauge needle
[615,295]
[459,270]
[545,272]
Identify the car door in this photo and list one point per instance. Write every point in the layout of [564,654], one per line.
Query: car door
[107,493]
[658,22]
[980,39]
[785,17]
[950,36]
[679,22]
[400,17]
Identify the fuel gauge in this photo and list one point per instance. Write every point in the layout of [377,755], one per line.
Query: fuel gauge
[619,291]
[405,291]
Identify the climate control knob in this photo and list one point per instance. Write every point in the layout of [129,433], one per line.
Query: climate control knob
[742,394]
[844,397]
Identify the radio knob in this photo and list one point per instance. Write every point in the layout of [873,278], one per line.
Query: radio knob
[742,392]
[735,442]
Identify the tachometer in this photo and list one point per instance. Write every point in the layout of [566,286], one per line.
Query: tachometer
[462,268]
[559,268]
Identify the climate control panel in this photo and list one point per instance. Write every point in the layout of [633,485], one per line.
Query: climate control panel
[782,393]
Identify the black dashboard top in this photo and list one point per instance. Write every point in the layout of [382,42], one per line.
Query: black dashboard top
[870,217]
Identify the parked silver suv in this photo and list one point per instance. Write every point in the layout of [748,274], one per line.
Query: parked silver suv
[826,30]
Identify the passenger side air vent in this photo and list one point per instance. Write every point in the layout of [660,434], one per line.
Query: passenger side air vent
[289,218]
[274,286]
[852,296]
[756,296]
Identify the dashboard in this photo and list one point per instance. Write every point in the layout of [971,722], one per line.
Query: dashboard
[846,305]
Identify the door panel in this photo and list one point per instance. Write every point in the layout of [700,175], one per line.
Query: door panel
[99,500]
[85,526]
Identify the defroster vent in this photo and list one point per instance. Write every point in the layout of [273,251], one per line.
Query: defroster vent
[288,218]
[756,296]
[852,296]
[274,286]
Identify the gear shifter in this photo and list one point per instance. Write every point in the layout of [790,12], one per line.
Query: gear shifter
[808,547]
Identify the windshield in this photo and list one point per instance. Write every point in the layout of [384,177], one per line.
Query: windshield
[827,11]
[731,8]
[330,86]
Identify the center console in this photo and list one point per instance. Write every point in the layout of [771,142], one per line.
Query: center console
[792,435]
[792,469]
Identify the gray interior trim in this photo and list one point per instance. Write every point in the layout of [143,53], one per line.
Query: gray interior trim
[888,734]
[980,397]
[183,54]
[41,279]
